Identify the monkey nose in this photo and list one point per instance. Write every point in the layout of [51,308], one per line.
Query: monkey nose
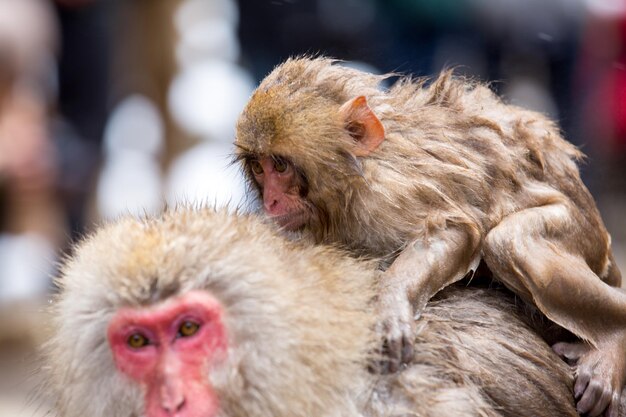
[269,204]
[173,406]
[172,399]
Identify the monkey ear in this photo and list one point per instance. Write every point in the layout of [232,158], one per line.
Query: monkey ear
[363,125]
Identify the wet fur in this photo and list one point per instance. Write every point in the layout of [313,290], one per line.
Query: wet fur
[447,175]
[454,155]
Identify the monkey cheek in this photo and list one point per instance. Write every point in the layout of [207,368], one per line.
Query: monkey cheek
[295,218]
[292,222]
[201,401]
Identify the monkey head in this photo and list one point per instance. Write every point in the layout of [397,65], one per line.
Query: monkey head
[192,315]
[300,139]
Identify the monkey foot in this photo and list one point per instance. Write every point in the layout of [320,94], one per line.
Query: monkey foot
[600,376]
[396,330]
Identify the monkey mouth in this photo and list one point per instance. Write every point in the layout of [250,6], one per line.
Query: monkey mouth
[291,221]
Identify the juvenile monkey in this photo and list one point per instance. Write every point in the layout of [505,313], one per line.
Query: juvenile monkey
[206,314]
[436,178]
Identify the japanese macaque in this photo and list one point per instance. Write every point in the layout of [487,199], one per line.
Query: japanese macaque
[203,314]
[435,178]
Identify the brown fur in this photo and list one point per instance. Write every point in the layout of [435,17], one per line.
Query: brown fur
[453,154]
[459,176]
[300,327]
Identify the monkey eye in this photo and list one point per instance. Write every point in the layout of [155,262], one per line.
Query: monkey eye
[188,328]
[256,167]
[280,165]
[137,341]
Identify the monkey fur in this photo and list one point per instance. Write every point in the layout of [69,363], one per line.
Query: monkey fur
[434,178]
[299,321]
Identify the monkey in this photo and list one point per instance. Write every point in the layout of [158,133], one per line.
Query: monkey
[436,177]
[202,313]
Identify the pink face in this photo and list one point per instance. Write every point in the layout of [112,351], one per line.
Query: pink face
[280,186]
[168,349]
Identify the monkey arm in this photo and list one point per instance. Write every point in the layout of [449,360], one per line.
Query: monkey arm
[426,266]
[423,268]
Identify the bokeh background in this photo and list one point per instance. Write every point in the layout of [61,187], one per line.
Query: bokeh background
[109,107]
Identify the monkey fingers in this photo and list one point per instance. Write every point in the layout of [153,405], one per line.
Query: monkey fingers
[598,385]
[396,330]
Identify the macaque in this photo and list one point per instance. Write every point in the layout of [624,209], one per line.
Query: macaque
[198,313]
[435,178]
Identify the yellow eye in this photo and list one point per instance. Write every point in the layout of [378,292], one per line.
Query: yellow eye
[137,340]
[188,328]
[280,165]
[256,167]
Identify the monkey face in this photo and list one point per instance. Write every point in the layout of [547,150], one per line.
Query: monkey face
[166,348]
[282,191]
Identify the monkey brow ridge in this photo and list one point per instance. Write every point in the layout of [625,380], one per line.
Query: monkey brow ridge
[246,154]
[243,154]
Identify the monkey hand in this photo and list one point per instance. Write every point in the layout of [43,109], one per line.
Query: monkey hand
[396,329]
[600,375]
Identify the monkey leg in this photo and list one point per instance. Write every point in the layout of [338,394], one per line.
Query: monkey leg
[531,252]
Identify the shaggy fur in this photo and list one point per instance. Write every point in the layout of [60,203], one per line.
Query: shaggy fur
[433,178]
[300,329]
[454,154]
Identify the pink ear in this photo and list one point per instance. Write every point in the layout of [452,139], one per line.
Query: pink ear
[363,125]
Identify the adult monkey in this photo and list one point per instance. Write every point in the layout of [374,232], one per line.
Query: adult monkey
[205,314]
[435,178]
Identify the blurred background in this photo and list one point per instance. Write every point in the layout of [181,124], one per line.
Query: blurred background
[110,107]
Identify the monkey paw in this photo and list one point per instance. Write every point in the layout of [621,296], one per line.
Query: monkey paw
[396,330]
[600,376]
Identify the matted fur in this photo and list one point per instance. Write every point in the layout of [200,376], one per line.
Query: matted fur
[454,155]
[434,177]
[299,326]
